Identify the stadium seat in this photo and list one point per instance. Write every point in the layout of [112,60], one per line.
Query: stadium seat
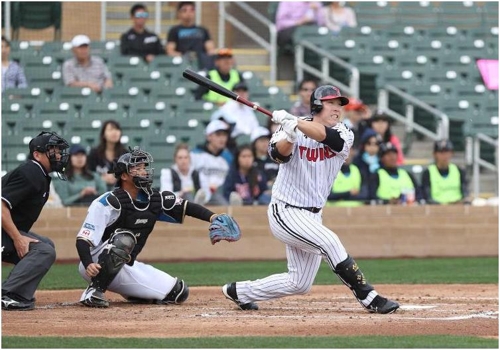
[76,96]
[175,96]
[169,66]
[44,78]
[124,95]
[422,14]
[103,110]
[122,64]
[145,80]
[461,14]
[26,96]
[378,15]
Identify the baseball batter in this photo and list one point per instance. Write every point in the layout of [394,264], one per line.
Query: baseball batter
[310,151]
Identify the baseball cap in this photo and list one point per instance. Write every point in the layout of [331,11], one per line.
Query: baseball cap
[44,139]
[80,40]
[240,86]
[443,146]
[355,105]
[329,92]
[224,53]
[379,115]
[77,148]
[259,132]
[386,147]
[216,125]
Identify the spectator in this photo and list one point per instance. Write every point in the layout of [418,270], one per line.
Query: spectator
[85,70]
[223,74]
[83,185]
[303,107]
[367,160]
[213,160]
[182,178]
[12,73]
[381,124]
[356,114]
[260,141]
[110,148]
[245,183]
[336,16]
[188,39]
[390,184]
[350,188]
[138,41]
[443,182]
[291,15]
[243,117]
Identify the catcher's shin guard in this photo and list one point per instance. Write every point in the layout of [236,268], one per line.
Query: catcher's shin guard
[113,257]
[350,274]
[178,294]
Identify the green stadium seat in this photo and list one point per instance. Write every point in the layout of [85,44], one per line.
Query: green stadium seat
[55,116]
[121,64]
[377,15]
[145,80]
[103,110]
[460,14]
[371,64]
[15,110]
[76,96]
[36,15]
[44,78]
[418,14]
[175,96]
[27,96]
[170,67]
[124,95]
[458,110]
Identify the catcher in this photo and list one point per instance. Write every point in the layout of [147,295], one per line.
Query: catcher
[117,226]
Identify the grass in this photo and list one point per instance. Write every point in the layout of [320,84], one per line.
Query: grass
[380,271]
[433,341]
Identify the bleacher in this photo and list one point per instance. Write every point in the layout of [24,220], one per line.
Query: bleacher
[427,49]
[153,103]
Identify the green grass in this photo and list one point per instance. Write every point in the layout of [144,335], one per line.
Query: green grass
[434,341]
[379,271]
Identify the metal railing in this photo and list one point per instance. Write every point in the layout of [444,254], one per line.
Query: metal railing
[443,129]
[473,152]
[324,74]
[269,46]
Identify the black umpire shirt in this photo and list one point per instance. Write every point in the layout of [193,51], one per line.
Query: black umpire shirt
[25,190]
[140,44]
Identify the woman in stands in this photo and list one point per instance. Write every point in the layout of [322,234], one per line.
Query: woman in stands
[12,73]
[83,185]
[109,148]
[381,124]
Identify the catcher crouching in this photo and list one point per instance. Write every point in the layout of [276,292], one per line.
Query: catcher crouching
[116,229]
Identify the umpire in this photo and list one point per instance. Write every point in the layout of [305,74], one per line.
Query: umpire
[25,190]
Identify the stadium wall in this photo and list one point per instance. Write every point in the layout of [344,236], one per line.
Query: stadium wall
[367,232]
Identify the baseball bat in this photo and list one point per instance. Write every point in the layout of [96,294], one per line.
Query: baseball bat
[201,80]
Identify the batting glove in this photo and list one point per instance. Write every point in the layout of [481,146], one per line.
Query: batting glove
[342,129]
[281,115]
[289,127]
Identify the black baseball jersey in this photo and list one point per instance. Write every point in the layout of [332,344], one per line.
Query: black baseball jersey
[25,190]
[188,38]
[140,44]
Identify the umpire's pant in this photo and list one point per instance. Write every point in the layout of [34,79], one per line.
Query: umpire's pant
[24,278]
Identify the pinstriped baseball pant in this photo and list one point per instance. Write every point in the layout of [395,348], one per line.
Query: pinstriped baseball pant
[307,241]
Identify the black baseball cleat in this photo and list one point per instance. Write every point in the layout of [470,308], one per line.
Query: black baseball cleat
[92,297]
[229,291]
[381,305]
[15,305]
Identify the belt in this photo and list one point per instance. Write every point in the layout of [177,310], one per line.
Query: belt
[311,209]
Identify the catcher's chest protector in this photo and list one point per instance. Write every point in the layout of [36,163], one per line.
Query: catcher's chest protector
[140,221]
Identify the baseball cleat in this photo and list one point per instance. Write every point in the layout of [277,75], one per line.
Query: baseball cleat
[381,305]
[14,305]
[91,297]
[229,290]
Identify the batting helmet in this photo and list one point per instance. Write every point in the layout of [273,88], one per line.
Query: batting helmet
[325,92]
[46,142]
[129,161]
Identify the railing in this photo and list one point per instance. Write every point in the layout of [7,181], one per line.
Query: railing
[269,46]
[473,150]
[352,89]
[443,129]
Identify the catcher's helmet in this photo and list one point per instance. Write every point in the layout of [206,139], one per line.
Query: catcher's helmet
[130,160]
[325,92]
[46,142]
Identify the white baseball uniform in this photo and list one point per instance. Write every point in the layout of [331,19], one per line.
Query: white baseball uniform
[139,280]
[304,181]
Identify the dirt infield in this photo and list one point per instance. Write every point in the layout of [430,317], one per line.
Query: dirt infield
[326,310]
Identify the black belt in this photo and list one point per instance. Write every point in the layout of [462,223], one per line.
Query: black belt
[311,209]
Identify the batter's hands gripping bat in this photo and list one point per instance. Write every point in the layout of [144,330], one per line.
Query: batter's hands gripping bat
[201,80]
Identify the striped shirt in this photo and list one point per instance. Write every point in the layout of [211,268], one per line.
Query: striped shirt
[13,76]
[306,180]
[96,72]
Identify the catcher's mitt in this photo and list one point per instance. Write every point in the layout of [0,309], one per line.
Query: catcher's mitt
[224,227]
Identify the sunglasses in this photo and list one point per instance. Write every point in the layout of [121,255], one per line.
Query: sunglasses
[141,15]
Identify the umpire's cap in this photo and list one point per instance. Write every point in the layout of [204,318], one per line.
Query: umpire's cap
[386,147]
[443,146]
[45,139]
[325,92]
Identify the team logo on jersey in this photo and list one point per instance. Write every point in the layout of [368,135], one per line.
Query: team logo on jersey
[89,226]
[316,154]
[141,221]
[85,233]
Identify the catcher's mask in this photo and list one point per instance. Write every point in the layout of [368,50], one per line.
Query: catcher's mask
[55,148]
[325,92]
[130,162]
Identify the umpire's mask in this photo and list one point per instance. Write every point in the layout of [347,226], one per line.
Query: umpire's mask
[55,148]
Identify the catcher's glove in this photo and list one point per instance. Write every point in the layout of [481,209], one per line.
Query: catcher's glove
[223,227]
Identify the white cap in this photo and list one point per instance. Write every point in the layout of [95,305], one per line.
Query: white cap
[259,132]
[216,125]
[80,40]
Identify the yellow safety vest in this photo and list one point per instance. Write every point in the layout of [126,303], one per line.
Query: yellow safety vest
[234,78]
[445,189]
[390,187]
[345,183]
